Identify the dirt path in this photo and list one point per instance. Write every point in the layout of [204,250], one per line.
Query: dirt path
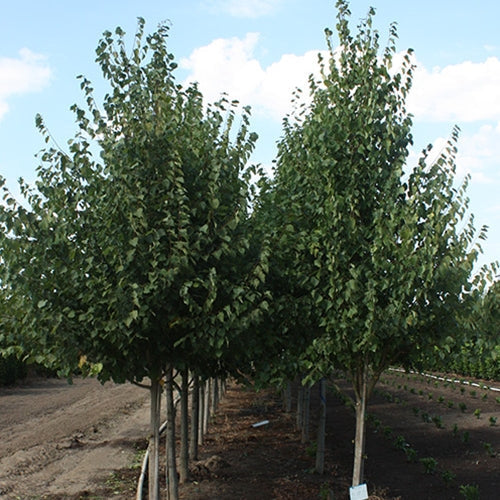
[61,439]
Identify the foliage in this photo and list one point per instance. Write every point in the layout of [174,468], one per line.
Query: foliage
[448,477]
[142,246]
[291,323]
[380,247]
[133,249]
[473,349]
[469,491]
[389,263]
[430,464]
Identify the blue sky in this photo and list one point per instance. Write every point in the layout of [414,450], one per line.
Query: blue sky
[258,51]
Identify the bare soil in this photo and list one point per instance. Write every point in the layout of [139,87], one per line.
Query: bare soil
[61,439]
[76,442]
[270,462]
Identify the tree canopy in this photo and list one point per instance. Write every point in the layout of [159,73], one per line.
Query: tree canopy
[132,253]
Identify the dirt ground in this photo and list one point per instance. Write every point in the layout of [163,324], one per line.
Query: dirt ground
[63,439]
[269,462]
[69,447]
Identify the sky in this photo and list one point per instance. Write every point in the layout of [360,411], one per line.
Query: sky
[259,51]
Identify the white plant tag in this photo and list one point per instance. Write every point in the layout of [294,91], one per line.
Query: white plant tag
[359,492]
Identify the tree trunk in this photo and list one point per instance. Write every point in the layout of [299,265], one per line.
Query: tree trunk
[184,453]
[306,411]
[154,442]
[173,480]
[215,395]
[206,416]
[201,417]
[300,405]
[320,450]
[359,440]
[287,397]
[195,416]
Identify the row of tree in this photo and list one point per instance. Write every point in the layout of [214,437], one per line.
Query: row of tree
[148,247]
[474,350]
[132,256]
[373,258]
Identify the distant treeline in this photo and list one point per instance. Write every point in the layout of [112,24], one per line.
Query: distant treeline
[12,370]
[477,361]
[472,359]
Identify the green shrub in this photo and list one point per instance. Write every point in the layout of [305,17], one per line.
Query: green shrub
[448,477]
[469,491]
[430,464]
[411,454]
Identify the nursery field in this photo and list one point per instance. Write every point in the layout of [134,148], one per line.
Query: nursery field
[426,439]
[430,438]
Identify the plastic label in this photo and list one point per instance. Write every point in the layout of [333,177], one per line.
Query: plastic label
[359,492]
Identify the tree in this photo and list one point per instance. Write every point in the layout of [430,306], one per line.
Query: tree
[131,255]
[390,261]
[474,347]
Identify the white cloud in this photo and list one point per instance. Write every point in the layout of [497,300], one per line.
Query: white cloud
[244,8]
[229,65]
[283,78]
[491,48]
[226,65]
[4,107]
[28,73]
[479,154]
[464,92]
[459,93]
